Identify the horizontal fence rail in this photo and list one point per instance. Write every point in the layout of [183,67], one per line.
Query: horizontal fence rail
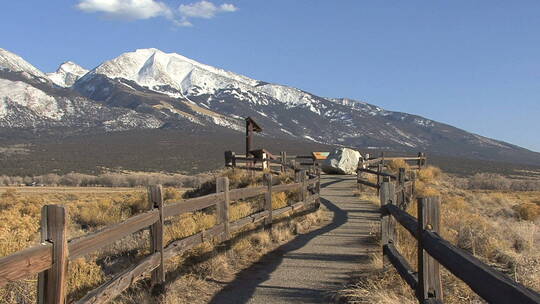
[49,259]
[274,164]
[490,284]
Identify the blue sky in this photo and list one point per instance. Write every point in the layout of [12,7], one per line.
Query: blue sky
[471,64]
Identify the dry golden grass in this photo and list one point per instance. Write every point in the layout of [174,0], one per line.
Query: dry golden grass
[373,287]
[499,228]
[90,210]
[528,211]
[394,165]
[279,200]
[429,174]
[20,212]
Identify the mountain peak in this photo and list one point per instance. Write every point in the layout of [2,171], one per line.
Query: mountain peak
[15,63]
[67,73]
[71,66]
[153,68]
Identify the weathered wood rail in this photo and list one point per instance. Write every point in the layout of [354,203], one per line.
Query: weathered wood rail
[50,258]
[433,251]
[280,163]
[377,165]
[414,162]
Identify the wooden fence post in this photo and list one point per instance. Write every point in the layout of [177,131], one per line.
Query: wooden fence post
[412,193]
[358,178]
[298,179]
[283,161]
[318,186]
[388,224]
[304,185]
[222,185]
[422,161]
[379,171]
[401,199]
[429,277]
[156,238]
[52,282]
[268,200]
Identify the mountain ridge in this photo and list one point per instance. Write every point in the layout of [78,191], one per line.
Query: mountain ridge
[173,91]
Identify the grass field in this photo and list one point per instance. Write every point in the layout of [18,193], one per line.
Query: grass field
[26,191]
[92,208]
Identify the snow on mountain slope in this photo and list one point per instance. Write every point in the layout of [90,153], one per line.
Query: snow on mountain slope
[67,73]
[178,76]
[29,103]
[154,69]
[15,63]
[25,95]
[148,88]
[330,120]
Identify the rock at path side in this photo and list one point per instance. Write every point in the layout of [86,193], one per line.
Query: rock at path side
[342,161]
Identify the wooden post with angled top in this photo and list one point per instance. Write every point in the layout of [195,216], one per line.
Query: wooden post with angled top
[52,282]
[268,200]
[155,194]
[388,224]
[222,185]
[429,277]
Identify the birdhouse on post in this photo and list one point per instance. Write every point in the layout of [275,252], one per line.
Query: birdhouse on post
[251,126]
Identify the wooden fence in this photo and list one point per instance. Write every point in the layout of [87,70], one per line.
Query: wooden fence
[415,162]
[280,163]
[377,165]
[50,258]
[395,195]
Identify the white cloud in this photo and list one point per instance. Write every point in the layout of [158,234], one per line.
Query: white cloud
[145,9]
[126,9]
[204,9]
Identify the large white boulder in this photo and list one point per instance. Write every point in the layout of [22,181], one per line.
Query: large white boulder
[341,161]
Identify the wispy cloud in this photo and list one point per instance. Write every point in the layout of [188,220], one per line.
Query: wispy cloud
[126,9]
[204,9]
[145,9]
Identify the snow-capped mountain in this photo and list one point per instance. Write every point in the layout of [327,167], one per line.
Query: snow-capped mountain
[30,100]
[178,76]
[15,63]
[148,88]
[67,73]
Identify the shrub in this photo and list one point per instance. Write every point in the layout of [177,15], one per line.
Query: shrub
[429,174]
[205,188]
[279,200]
[528,211]
[103,212]
[172,194]
[395,164]
[489,181]
[83,276]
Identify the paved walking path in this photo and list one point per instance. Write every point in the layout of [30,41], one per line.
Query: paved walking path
[310,267]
